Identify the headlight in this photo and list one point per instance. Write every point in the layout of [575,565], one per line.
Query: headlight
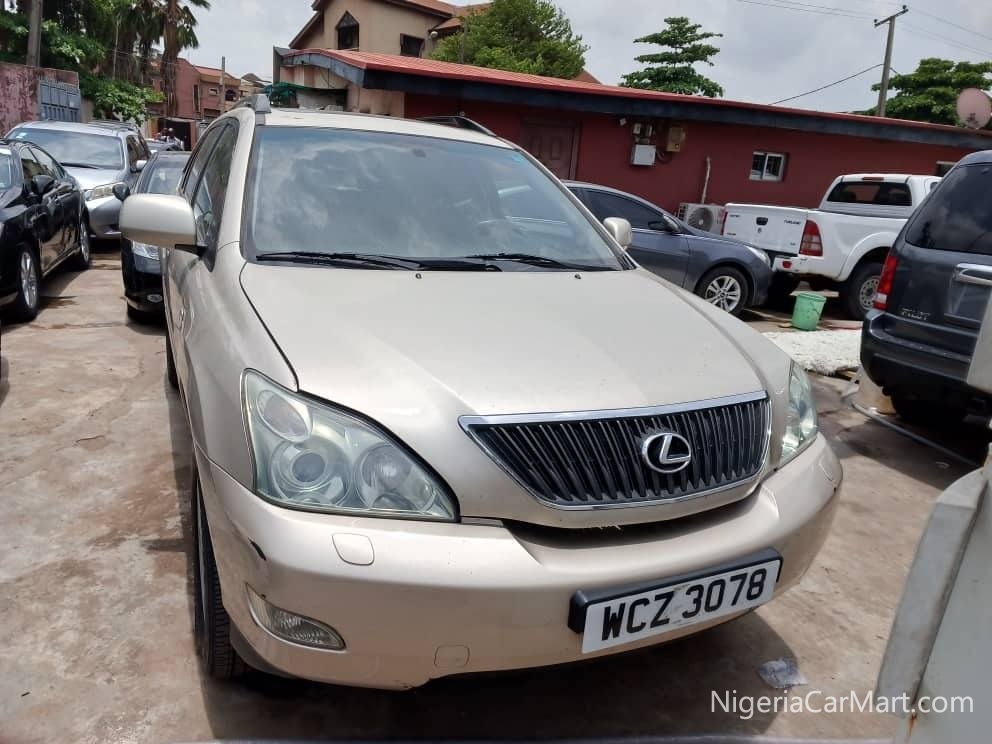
[311,456]
[800,419]
[146,250]
[760,255]
[99,192]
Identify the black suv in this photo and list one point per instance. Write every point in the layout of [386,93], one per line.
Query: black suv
[918,341]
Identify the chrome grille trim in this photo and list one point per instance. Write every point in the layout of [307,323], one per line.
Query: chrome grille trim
[565,459]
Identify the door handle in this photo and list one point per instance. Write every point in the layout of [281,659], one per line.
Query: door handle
[975,274]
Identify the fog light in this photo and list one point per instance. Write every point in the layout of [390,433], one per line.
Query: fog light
[154,298]
[291,627]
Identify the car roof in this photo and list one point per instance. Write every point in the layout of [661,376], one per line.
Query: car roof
[72,126]
[982,156]
[375,123]
[611,190]
[171,154]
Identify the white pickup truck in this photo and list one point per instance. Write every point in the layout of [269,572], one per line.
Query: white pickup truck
[842,244]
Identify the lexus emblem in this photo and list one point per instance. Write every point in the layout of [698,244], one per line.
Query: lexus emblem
[666,452]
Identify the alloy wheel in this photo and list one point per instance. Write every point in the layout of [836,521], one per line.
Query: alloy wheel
[29,280]
[84,239]
[725,292]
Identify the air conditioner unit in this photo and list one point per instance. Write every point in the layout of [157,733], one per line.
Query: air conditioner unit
[708,217]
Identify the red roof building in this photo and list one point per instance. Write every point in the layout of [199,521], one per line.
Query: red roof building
[702,149]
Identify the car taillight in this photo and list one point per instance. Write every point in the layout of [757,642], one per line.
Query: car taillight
[885,282]
[811,245]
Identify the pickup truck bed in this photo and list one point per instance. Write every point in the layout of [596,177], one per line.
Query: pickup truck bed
[843,243]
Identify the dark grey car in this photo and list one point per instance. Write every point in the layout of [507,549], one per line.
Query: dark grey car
[918,342]
[725,272]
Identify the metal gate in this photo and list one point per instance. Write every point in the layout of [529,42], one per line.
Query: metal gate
[58,101]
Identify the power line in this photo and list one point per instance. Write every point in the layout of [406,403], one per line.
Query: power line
[955,25]
[828,85]
[803,9]
[924,33]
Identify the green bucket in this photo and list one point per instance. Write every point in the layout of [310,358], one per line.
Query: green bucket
[809,307]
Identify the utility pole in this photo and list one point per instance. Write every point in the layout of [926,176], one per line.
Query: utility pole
[223,97]
[883,91]
[34,34]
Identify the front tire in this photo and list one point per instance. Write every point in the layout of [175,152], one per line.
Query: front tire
[858,292]
[725,287]
[211,623]
[80,260]
[24,308]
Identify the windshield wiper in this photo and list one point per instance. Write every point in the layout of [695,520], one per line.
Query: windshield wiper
[377,261]
[532,260]
[81,165]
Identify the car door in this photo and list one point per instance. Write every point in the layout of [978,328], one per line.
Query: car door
[65,193]
[45,218]
[658,244]
[187,279]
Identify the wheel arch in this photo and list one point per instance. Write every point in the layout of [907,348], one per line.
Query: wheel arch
[873,248]
[727,263]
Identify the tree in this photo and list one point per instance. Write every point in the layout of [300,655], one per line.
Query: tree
[177,24]
[532,36]
[673,70]
[930,93]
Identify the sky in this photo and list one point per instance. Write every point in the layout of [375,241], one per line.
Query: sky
[768,52]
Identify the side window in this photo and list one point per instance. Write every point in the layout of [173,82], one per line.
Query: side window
[640,217]
[208,201]
[134,151]
[30,166]
[47,165]
[199,157]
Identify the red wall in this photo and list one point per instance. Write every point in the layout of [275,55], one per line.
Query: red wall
[814,160]
[19,92]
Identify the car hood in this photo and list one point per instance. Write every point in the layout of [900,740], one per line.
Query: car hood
[88,178]
[414,352]
[485,343]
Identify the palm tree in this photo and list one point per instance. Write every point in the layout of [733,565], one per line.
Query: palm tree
[178,22]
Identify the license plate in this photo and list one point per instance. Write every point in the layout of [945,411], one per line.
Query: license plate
[642,612]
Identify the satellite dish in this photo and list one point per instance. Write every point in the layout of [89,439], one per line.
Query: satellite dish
[974,108]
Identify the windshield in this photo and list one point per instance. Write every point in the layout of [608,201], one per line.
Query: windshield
[332,191]
[76,148]
[7,174]
[161,176]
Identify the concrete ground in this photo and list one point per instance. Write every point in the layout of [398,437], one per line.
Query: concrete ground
[95,622]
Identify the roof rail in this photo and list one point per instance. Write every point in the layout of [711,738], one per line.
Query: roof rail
[257,102]
[458,122]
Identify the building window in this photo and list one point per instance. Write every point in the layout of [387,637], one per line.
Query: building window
[196,98]
[214,92]
[767,166]
[347,29]
[942,167]
[410,46]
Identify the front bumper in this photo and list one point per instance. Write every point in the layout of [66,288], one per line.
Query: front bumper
[104,214]
[142,281]
[416,600]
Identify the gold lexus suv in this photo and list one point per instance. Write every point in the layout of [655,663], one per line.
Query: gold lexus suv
[442,422]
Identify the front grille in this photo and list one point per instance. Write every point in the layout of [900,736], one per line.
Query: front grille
[594,459]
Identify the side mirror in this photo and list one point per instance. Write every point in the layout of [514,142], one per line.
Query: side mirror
[980,372]
[619,228]
[122,191]
[159,219]
[42,184]
[139,166]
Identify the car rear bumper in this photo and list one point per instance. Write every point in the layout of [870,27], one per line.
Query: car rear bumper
[419,600]
[900,366]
